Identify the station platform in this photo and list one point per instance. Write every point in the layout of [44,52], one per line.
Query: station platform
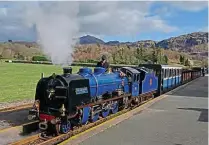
[181,118]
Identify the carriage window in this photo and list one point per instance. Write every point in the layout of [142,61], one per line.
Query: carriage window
[135,77]
[138,77]
[168,72]
[164,73]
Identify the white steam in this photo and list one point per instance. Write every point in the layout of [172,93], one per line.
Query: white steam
[56,26]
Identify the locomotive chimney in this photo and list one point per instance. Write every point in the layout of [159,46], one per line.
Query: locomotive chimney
[67,70]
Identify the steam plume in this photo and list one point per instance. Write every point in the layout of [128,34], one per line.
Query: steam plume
[57,26]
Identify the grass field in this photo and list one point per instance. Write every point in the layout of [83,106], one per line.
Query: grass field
[18,81]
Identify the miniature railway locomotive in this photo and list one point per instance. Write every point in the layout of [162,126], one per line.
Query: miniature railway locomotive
[68,100]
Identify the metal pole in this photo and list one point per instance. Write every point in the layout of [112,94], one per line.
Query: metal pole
[42,75]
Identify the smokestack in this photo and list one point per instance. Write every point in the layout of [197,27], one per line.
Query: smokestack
[67,70]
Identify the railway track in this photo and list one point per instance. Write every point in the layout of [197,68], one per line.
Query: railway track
[16,108]
[37,139]
[24,128]
[15,133]
[14,116]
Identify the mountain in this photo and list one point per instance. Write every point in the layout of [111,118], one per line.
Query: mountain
[112,43]
[184,41]
[90,40]
[193,42]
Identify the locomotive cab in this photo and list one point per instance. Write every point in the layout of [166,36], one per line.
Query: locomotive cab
[133,78]
[58,94]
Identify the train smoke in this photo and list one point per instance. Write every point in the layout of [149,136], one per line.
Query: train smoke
[56,26]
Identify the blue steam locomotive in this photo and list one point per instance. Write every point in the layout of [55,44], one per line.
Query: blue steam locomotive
[68,100]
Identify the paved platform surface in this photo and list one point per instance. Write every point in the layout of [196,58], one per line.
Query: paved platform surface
[179,119]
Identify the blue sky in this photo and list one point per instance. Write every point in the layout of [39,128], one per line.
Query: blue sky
[187,21]
[121,21]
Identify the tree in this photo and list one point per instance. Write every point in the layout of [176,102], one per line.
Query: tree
[138,54]
[20,57]
[114,58]
[204,63]
[1,57]
[182,59]
[98,45]
[158,55]
[187,62]
[154,54]
[129,55]
[166,59]
[121,52]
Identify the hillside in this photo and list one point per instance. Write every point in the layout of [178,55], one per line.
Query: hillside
[187,40]
[184,42]
[11,50]
[90,40]
[193,46]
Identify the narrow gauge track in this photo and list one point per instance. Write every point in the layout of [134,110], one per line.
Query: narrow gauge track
[38,139]
[24,128]
[16,108]
[14,116]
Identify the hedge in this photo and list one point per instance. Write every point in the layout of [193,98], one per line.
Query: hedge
[39,58]
[73,64]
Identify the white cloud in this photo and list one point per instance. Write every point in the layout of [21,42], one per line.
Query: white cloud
[120,18]
[3,11]
[97,18]
[190,5]
[164,11]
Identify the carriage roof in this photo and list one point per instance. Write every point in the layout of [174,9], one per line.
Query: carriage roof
[159,66]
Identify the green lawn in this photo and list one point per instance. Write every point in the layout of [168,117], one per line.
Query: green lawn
[18,81]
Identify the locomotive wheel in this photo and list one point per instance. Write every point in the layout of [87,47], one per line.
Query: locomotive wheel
[85,115]
[125,103]
[105,113]
[65,127]
[95,117]
[114,108]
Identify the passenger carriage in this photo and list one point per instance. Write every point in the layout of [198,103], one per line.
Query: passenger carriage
[168,76]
